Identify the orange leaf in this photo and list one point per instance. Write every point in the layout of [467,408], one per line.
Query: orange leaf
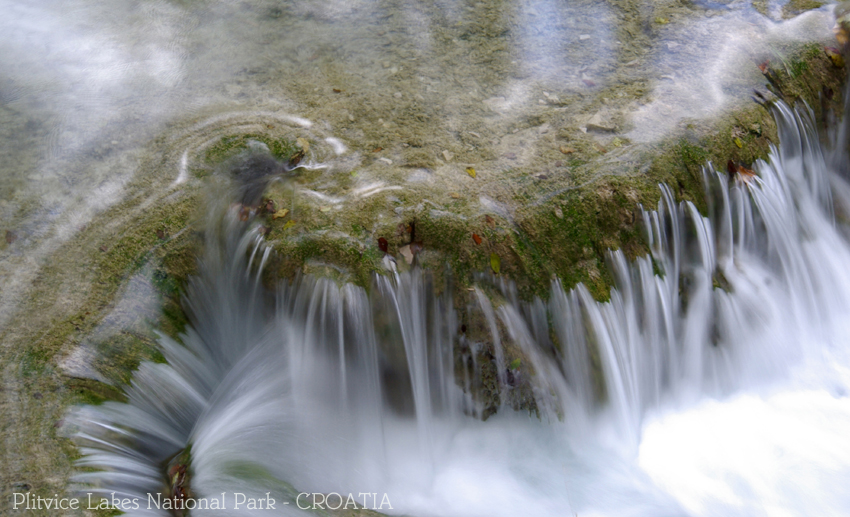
[476,238]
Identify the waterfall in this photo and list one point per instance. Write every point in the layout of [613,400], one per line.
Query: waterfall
[320,387]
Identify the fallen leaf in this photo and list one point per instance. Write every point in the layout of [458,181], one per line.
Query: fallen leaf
[289,224]
[337,90]
[296,158]
[104,248]
[490,221]
[324,209]
[455,195]
[303,143]
[516,363]
[835,56]
[407,253]
[160,234]
[731,168]
[745,173]
[383,245]
[738,142]
[495,263]
[763,67]
[377,149]
[470,171]
[661,21]
[280,214]
[476,238]
[269,206]
[566,150]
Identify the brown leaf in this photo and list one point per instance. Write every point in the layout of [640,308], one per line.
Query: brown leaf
[490,221]
[476,238]
[160,234]
[745,173]
[377,149]
[383,245]
[296,158]
[566,150]
[731,168]
[764,66]
[337,90]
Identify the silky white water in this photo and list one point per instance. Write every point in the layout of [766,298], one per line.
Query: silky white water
[714,382]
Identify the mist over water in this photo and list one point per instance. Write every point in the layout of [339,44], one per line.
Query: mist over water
[714,382]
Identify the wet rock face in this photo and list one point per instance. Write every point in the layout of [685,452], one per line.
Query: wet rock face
[253,173]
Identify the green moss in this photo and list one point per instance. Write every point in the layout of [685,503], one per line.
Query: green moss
[795,7]
[229,146]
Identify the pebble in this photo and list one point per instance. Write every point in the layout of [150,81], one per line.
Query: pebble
[584,37]
[559,213]
[385,160]
[448,155]
[397,95]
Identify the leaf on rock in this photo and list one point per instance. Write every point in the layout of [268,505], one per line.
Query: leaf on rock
[289,224]
[476,238]
[516,363]
[383,245]
[280,214]
[495,263]
[470,171]
[835,56]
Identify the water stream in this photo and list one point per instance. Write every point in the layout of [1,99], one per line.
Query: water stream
[720,385]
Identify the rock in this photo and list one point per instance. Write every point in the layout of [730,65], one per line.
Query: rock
[601,122]
[448,155]
[407,253]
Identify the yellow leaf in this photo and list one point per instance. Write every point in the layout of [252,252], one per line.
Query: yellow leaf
[455,195]
[324,209]
[280,214]
[661,21]
[289,224]
[738,142]
[470,171]
[495,263]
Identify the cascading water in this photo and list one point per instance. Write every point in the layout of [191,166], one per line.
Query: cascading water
[648,404]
